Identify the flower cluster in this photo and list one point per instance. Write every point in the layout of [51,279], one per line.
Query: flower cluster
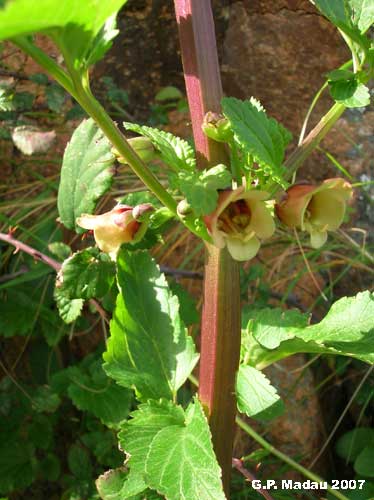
[242,218]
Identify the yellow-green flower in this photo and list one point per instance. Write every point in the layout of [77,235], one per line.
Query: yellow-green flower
[315,209]
[240,221]
[122,224]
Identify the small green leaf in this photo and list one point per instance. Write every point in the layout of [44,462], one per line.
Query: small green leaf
[174,151]
[149,348]
[201,188]
[109,484]
[273,326]
[55,96]
[46,400]
[79,462]
[347,329]
[93,391]
[257,134]
[59,249]
[187,303]
[349,92]
[69,309]
[364,462]
[103,41]
[39,78]
[17,465]
[86,274]
[181,461]
[86,173]
[40,432]
[168,94]
[257,398]
[50,468]
[350,445]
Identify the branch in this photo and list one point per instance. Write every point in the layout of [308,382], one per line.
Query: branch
[54,264]
[238,465]
[31,251]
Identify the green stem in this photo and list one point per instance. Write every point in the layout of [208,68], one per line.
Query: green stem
[285,458]
[79,88]
[110,129]
[47,63]
[301,153]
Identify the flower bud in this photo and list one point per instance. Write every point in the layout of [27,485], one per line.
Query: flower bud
[183,208]
[122,224]
[217,127]
[240,221]
[142,146]
[315,209]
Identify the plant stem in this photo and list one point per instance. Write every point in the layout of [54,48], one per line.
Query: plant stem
[78,87]
[238,464]
[220,331]
[285,458]
[8,238]
[301,153]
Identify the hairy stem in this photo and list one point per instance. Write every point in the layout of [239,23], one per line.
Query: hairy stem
[220,332]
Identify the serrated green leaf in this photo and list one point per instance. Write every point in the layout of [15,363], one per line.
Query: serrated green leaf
[61,250]
[263,137]
[79,462]
[149,348]
[256,397]
[348,13]
[73,27]
[69,309]
[136,437]
[109,484]
[50,468]
[39,78]
[86,274]
[86,173]
[46,400]
[350,92]
[103,445]
[55,96]
[109,487]
[103,41]
[174,151]
[40,431]
[364,462]
[17,466]
[187,303]
[201,188]
[273,325]
[91,390]
[181,463]
[347,329]
[350,445]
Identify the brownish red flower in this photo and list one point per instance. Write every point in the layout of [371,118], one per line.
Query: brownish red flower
[122,224]
[240,221]
[315,209]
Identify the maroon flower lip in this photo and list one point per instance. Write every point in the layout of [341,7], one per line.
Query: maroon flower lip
[240,221]
[315,209]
